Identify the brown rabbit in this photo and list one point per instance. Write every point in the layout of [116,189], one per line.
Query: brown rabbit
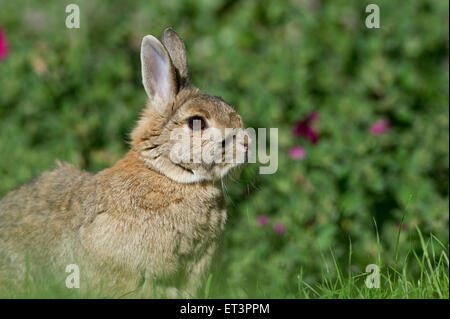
[146,224]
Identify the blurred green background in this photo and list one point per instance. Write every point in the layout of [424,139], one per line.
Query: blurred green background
[75,94]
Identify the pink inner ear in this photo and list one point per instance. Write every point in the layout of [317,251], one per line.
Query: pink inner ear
[159,74]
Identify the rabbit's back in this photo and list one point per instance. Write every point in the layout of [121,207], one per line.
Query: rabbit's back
[39,218]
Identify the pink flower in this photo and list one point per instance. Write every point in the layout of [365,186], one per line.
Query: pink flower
[379,127]
[297,152]
[304,128]
[4,47]
[279,228]
[262,220]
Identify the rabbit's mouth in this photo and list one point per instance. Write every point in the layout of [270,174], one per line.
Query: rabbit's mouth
[186,169]
[187,172]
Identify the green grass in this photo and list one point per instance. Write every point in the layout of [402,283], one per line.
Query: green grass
[338,281]
[394,281]
[420,273]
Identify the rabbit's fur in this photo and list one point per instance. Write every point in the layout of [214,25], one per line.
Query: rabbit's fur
[144,225]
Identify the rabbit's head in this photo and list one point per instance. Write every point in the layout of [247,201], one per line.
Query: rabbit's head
[185,134]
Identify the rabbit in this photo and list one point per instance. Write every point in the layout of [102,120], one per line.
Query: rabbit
[148,223]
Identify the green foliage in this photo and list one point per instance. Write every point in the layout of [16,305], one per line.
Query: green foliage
[75,94]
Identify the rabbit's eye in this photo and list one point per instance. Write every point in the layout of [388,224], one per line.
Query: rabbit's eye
[195,122]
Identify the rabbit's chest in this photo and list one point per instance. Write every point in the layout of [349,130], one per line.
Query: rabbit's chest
[181,236]
[196,228]
[181,232]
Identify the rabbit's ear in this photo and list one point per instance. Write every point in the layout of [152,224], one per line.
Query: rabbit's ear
[175,46]
[158,72]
